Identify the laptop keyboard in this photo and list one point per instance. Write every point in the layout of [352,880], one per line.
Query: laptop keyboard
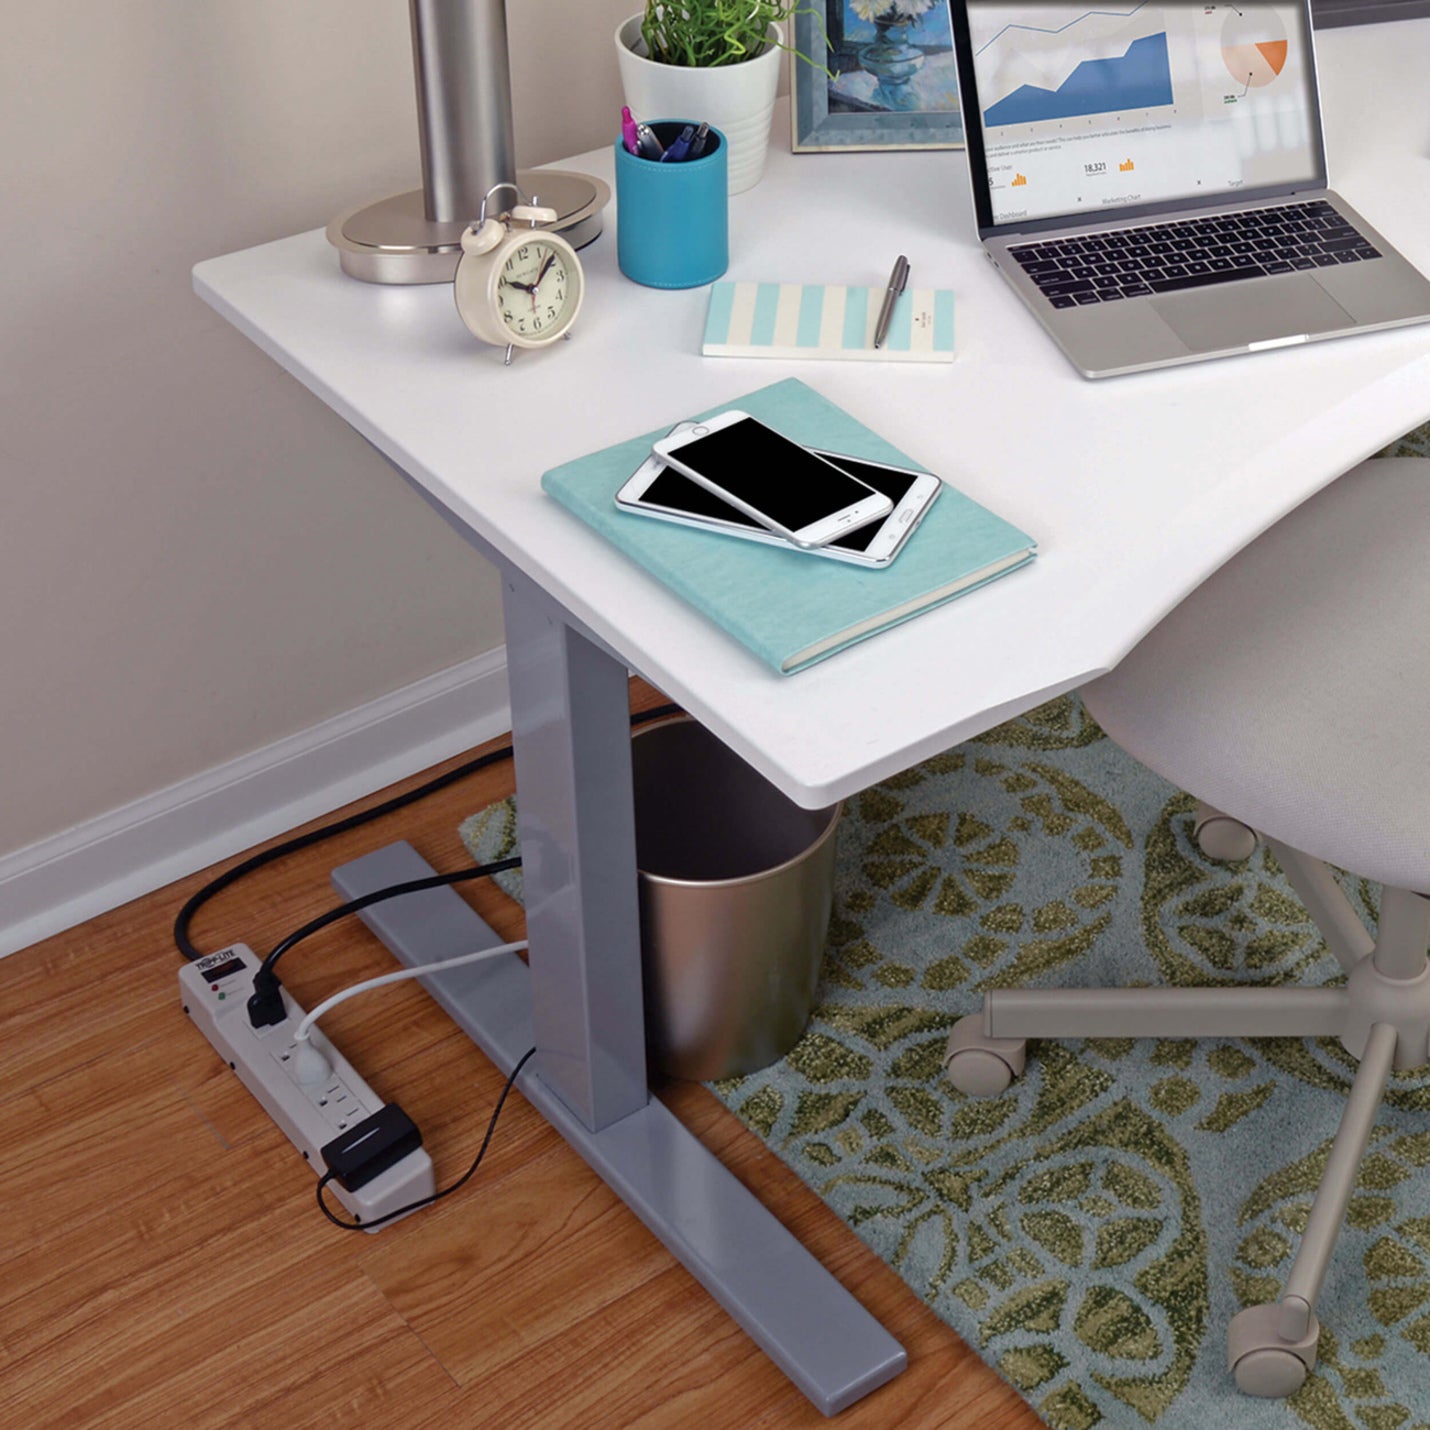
[1191,253]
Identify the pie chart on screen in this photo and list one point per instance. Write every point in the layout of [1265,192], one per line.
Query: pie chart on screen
[1254,46]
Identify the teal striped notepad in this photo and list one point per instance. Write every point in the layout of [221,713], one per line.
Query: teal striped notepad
[788,607]
[815,320]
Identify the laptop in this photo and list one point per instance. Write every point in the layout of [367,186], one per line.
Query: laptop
[1151,179]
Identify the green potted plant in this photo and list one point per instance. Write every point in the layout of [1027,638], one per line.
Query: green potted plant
[712,60]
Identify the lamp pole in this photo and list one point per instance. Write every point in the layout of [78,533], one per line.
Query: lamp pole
[459,59]
[463,78]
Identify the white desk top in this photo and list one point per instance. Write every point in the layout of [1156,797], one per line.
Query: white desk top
[1136,488]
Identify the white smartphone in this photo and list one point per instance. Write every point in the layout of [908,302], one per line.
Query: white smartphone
[658,491]
[783,486]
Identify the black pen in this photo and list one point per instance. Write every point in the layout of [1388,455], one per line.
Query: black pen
[697,144]
[897,280]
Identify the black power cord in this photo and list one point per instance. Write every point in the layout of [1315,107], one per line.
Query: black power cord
[360,1225]
[266,1004]
[316,836]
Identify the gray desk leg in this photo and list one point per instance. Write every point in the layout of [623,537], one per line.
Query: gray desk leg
[570,710]
[567,698]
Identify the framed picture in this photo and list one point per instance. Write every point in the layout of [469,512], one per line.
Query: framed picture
[891,81]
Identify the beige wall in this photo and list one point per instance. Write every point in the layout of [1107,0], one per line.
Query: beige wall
[196,557]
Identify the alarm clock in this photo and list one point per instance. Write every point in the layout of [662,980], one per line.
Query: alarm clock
[518,285]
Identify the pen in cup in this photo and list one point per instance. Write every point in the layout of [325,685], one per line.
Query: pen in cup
[629,135]
[650,146]
[679,147]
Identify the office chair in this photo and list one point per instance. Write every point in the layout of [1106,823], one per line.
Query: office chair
[1290,692]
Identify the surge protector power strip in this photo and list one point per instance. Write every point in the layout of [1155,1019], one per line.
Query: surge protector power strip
[215,994]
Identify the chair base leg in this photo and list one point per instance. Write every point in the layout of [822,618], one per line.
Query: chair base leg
[1272,1348]
[1165,1012]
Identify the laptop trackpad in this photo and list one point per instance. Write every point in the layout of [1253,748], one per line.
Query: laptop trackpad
[1235,314]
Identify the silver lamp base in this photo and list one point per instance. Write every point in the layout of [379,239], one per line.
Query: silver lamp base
[393,240]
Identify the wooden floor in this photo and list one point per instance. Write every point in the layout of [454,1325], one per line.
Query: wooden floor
[163,1261]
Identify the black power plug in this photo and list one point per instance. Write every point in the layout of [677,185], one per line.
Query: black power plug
[371,1146]
[265,1005]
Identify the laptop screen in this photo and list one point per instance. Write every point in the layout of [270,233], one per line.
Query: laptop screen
[1082,110]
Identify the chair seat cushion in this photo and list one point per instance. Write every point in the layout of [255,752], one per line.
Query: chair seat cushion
[1292,688]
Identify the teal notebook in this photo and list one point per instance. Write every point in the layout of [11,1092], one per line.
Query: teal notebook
[790,608]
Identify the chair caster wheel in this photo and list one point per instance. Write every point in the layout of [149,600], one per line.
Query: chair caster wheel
[1272,1374]
[981,1066]
[1263,1363]
[1221,837]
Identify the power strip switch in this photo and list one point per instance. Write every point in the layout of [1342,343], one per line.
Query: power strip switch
[313,1099]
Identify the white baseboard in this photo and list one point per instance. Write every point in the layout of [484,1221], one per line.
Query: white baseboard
[62,881]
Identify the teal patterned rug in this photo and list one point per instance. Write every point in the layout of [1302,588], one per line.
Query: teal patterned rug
[1092,1231]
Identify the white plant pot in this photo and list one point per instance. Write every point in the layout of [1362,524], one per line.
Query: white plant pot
[738,100]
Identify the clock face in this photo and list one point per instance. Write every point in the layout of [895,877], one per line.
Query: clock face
[538,291]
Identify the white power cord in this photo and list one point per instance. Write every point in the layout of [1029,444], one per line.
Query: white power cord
[312,1066]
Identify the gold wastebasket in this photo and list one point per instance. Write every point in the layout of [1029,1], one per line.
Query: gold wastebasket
[736,889]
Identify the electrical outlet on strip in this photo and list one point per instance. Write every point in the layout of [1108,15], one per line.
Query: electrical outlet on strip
[313,1093]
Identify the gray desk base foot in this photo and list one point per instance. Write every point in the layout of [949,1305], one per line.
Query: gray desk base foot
[792,1308]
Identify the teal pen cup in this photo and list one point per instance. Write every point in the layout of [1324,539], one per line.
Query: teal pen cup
[673,220]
